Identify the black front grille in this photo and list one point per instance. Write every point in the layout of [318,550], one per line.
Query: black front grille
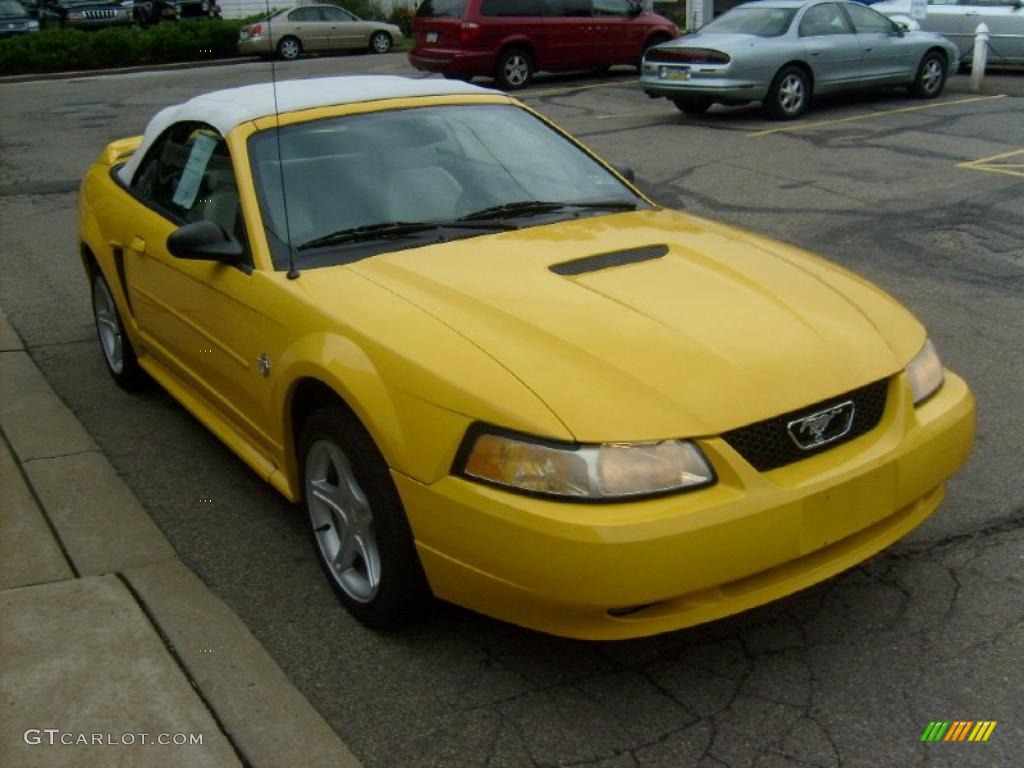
[767,444]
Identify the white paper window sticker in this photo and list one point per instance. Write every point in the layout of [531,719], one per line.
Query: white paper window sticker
[192,176]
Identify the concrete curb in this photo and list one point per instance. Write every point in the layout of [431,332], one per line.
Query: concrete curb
[75,74]
[104,629]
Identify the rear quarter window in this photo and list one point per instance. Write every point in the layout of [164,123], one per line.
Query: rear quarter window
[441,9]
[510,8]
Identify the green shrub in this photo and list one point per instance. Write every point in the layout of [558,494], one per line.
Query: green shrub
[402,18]
[61,50]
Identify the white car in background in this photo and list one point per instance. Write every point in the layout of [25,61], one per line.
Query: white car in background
[957,20]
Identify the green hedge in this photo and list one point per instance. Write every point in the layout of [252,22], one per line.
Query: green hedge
[60,50]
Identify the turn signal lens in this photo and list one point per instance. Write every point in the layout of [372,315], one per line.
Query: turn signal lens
[925,373]
[607,471]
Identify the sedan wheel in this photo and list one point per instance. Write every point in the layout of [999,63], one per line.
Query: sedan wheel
[931,76]
[118,352]
[380,42]
[358,525]
[515,68]
[789,94]
[289,48]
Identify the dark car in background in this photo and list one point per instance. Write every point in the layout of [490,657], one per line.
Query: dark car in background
[149,12]
[511,39]
[14,19]
[85,14]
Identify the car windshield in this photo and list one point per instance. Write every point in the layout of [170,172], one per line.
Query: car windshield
[363,184]
[762,22]
[11,8]
[441,9]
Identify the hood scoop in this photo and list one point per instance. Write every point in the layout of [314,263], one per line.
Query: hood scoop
[600,261]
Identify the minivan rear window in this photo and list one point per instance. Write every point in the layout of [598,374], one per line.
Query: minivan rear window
[441,9]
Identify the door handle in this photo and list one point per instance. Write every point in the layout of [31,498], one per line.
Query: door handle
[868,50]
[138,244]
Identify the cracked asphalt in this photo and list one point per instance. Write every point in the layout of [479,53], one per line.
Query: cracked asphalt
[848,673]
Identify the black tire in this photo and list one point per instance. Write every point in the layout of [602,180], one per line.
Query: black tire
[289,48]
[380,42]
[377,521]
[117,349]
[789,94]
[693,105]
[514,69]
[454,76]
[931,76]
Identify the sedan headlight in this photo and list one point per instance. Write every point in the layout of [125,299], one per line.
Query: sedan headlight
[596,472]
[925,372]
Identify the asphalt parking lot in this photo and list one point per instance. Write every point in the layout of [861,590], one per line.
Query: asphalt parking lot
[924,198]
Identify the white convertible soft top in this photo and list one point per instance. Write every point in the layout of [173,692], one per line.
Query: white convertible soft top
[233,106]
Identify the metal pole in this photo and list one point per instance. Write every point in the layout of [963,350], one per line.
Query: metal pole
[979,57]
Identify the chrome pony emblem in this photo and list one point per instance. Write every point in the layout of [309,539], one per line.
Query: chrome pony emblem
[263,363]
[823,427]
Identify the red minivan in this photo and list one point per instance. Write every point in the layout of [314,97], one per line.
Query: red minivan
[512,39]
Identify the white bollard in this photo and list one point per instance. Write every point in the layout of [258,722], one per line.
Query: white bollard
[980,55]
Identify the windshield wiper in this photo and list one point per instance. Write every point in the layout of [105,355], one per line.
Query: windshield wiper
[385,229]
[531,207]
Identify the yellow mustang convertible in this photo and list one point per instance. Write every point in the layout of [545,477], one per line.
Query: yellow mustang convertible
[494,372]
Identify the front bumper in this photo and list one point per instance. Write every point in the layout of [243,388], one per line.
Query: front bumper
[614,571]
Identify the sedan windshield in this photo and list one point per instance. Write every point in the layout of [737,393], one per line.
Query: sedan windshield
[762,22]
[11,8]
[362,184]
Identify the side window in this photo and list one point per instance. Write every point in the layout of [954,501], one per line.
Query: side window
[333,13]
[824,19]
[187,176]
[567,8]
[510,8]
[865,20]
[611,7]
[304,14]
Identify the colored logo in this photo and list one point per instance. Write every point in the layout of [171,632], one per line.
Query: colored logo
[958,730]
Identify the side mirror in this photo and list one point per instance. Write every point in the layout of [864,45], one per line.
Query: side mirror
[635,8]
[626,172]
[901,29]
[204,241]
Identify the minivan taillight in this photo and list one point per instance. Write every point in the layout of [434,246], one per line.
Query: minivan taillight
[468,31]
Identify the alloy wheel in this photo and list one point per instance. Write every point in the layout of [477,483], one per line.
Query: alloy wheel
[108,325]
[342,521]
[931,76]
[517,70]
[791,94]
[380,42]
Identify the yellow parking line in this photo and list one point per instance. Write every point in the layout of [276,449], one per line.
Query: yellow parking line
[572,88]
[989,164]
[881,113]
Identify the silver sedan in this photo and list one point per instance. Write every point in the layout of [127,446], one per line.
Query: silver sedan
[781,52]
[315,29]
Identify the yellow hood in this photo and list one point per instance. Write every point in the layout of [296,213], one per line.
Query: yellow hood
[722,330]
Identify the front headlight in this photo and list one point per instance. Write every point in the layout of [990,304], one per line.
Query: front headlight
[925,373]
[599,472]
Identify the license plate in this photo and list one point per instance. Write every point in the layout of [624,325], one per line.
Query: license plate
[674,73]
[431,37]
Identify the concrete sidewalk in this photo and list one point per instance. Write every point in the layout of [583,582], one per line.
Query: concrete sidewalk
[112,652]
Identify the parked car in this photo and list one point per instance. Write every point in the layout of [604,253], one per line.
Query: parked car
[782,52]
[958,20]
[14,19]
[316,29]
[149,12]
[85,14]
[511,39]
[493,371]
